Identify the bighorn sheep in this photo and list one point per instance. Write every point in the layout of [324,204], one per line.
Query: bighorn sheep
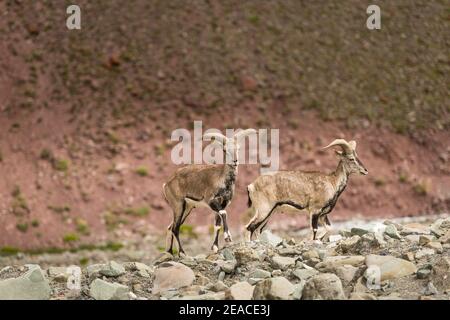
[210,185]
[314,191]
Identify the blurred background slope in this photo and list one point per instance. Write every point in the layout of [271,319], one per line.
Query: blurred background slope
[86,115]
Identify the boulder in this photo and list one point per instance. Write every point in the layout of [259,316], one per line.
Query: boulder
[93,270]
[389,267]
[32,285]
[424,239]
[103,290]
[441,273]
[435,245]
[310,254]
[415,228]
[172,275]
[424,253]
[239,291]
[298,290]
[112,269]
[392,231]
[324,286]
[282,263]
[330,263]
[245,254]
[227,266]
[358,231]
[304,274]
[350,244]
[278,288]
[346,273]
[259,273]
[440,227]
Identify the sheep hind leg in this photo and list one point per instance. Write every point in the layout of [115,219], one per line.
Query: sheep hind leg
[259,220]
[325,222]
[217,227]
[169,239]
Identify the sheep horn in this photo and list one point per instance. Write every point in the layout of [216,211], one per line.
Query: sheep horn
[346,146]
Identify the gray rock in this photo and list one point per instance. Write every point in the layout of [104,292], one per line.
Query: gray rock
[245,254]
[358,231]
[221,276]
[259,273]
[413,238]
[346,273]
[335,238]
[93,270]
[278,288]
[218,286]
[324,286]
[290,251]
[435,245]
[441,273]
[350,244]
[33,285]
[423,273]
[424,239]
[329,264]
[389,267]
[310,254]
[392,232]
[298,290]
[282,263]
[440,227]
[270,238]
[112,269]
[227,266]
[423,253]
[304,274]
[430,289]
[228,254]
[277,273]
[103,290]
[239,291]
[415,228]
[172,275]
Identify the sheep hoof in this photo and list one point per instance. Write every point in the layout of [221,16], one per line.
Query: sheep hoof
[215,248]
[227,237]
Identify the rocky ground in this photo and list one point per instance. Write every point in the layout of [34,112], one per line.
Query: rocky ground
[385,260]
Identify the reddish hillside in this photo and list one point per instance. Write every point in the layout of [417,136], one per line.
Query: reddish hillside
[82,111]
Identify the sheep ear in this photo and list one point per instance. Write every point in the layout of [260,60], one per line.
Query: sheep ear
[338,152]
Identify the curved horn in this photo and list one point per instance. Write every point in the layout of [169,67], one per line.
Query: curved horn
[216,135]
[244,133]
[346,147]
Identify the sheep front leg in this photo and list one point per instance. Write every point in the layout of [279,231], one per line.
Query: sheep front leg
[226,232]
[217,227]
[314,224]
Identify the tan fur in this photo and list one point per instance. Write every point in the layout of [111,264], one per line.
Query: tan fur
[315,192]
[204,185]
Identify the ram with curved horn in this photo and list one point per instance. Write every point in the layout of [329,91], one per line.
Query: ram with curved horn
[204,185]
[314,192]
